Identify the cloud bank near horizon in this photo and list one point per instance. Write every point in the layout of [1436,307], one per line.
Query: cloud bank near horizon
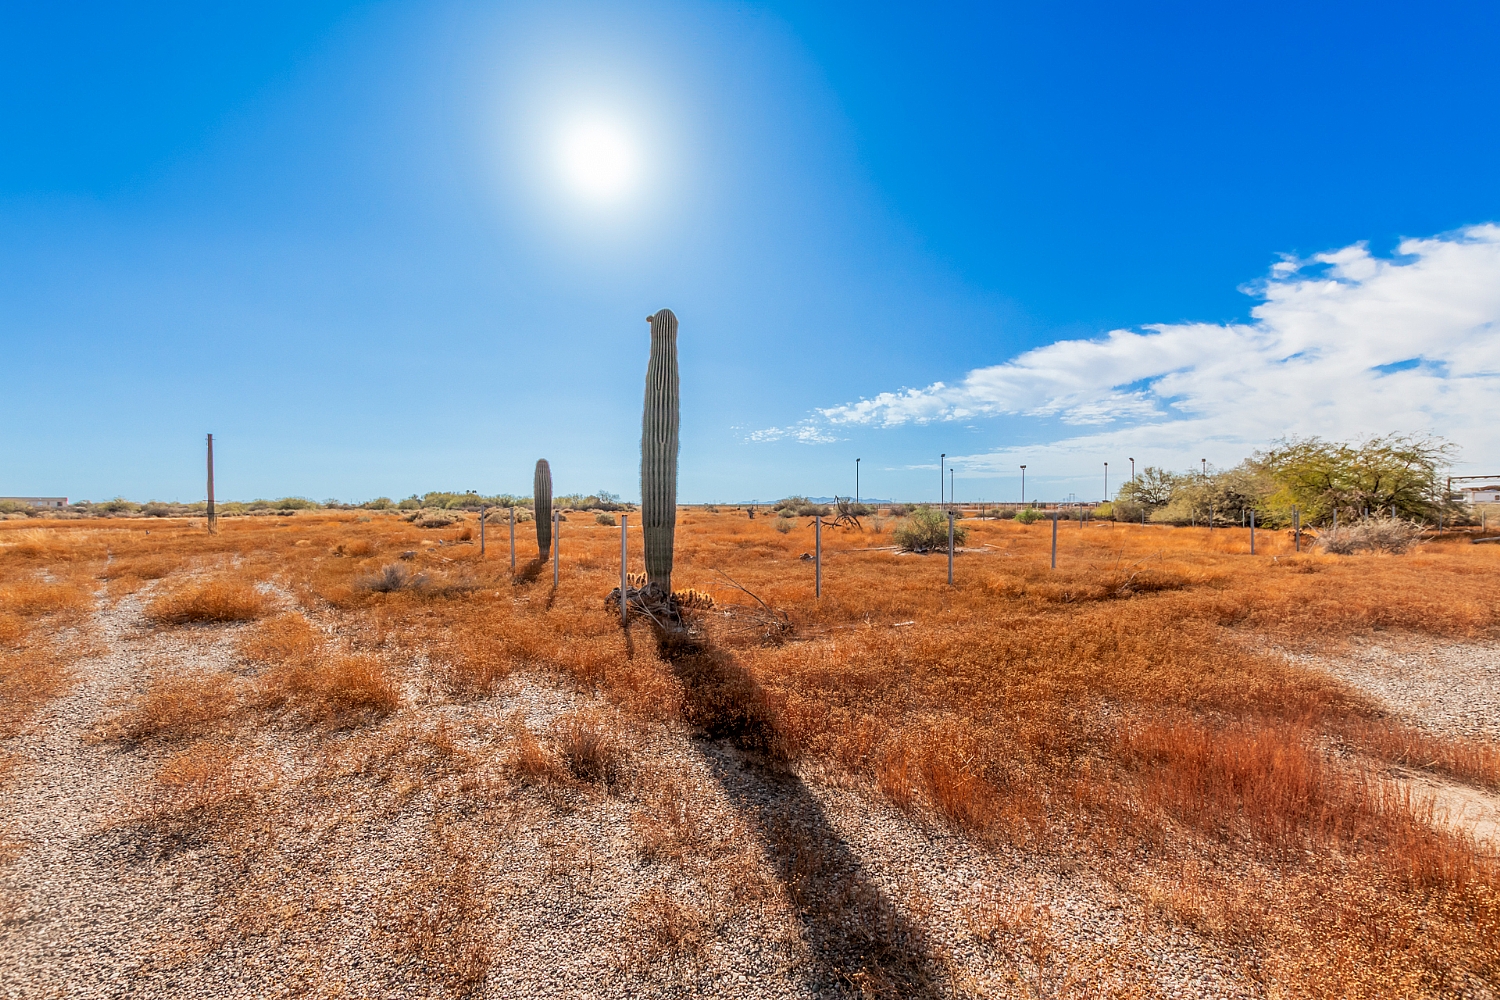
[1343,345]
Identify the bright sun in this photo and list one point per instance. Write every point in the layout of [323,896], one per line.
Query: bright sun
[599,159]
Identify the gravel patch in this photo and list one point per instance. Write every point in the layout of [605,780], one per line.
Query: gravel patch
[1451,688]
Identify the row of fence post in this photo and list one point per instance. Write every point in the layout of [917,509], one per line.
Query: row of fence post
[817,546]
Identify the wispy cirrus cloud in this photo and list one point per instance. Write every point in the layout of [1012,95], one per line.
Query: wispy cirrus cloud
[1343,344]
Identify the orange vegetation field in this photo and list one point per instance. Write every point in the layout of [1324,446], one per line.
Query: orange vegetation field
[1131,718]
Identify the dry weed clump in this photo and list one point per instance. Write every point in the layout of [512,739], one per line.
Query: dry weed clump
[442,919]
[176,707]
[209,790]
[210,602]
[589,746]
[1380,534]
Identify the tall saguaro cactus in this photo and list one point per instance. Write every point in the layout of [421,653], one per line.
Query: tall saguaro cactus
[541,507]
[659,450]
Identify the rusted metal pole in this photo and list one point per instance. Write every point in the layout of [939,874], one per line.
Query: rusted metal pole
[213,517]
[818,556]
[950,548]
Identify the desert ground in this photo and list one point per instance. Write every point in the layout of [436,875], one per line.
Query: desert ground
[340,754]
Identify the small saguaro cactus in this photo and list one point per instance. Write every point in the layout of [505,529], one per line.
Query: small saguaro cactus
[659,451]
[541,507]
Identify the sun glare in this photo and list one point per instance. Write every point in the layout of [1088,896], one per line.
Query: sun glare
[599,159]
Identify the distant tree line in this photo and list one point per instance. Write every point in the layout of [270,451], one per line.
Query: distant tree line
[1396,475]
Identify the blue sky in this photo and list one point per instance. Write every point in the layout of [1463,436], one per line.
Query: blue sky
[340,238]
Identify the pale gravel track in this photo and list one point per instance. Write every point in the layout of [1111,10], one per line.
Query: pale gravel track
[1447,687]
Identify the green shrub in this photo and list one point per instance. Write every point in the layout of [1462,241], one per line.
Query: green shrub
[1029,515]
[926,530]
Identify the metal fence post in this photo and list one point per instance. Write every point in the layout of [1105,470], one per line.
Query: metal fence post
[512,540]
[556,546]
[950,548]
[624,577]
[818,556]
[1252,532]
[483,513]
[1297,528]
[1054,543]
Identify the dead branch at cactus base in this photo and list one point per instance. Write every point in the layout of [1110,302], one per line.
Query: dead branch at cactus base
[764,624]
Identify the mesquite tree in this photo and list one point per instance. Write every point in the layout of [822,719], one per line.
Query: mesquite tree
[541,507]
[659,450]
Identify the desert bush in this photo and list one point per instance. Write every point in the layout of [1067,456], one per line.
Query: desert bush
[899,510]
[784,525]
[209,602]
[877,524]
[800,507]
[392,578]
[608,520]
[926,529]
[1381,534]
[1029,515]
[433,517]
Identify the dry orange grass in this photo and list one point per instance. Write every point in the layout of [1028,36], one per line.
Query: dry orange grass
[209,602]
[1126,707]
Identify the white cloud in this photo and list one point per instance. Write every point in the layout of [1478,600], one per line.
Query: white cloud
[806,432]
[1316,358]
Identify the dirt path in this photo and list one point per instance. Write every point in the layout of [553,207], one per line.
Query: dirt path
[1444,687]
[85,915]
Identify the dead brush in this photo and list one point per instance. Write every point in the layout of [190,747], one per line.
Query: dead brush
[392,578]
[174,707]
[201,792]
[1378,534]
[674,930]
[589,745]
[210,602]
[337,689]
[442,919]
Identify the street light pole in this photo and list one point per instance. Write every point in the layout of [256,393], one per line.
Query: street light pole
[1023,486]
[952,497]
[942,463]
[856,481]
[1106,481]
[1205,467]
[1132,471]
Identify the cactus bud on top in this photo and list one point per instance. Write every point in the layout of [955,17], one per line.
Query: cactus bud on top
[541,507]
[659,450]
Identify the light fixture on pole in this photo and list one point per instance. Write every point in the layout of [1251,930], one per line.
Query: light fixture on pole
[1205,467]
[942,461]
[1106,480]
[1132,470]
[951,498]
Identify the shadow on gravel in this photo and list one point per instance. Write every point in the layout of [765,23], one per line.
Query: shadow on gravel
[860,943]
